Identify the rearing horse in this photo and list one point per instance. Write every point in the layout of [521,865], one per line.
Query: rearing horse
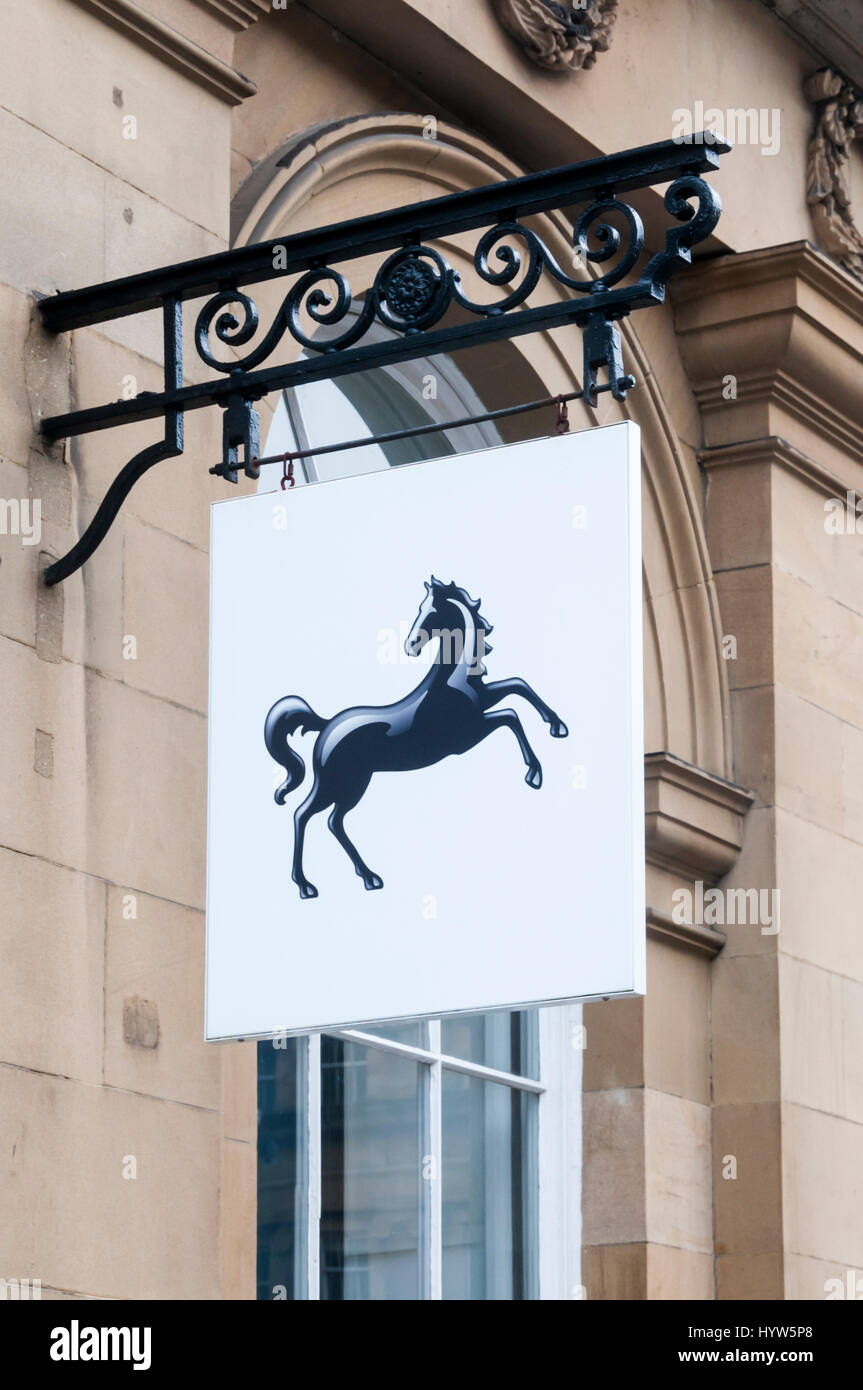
[450,711]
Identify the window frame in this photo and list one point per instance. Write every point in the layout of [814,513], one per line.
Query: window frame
[555,1168]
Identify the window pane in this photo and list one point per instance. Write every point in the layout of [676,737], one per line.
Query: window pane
[364,404]
[282,1176]
[328,417]
[503,1040]
[280,438]
[386,406]
[413,1034]
[372,1139]
[489,1188]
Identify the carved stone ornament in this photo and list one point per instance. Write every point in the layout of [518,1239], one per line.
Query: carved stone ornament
[839,123]
[559,37]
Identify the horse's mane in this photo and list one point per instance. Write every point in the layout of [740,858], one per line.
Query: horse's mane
[453,591]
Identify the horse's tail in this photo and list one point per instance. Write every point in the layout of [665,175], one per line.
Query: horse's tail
[290,715]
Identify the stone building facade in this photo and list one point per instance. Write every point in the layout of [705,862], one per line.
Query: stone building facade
[722,1132]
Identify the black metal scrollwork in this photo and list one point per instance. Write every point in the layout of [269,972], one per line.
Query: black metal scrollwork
[416,285]
[412,289]
[410,295]
[697,224]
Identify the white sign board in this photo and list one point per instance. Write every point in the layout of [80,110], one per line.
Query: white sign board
[406,818]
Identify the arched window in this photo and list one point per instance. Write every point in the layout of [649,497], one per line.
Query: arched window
[421,392]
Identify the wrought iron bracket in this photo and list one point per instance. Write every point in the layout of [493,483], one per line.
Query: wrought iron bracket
[411,294]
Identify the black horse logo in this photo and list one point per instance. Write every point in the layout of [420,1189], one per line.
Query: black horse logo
[449,712]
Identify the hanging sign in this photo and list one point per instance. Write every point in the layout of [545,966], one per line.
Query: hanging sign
[426,752]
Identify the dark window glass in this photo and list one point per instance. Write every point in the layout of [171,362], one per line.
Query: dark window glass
[488,1168]
[281,1169]
[504,1040]
[372,1208]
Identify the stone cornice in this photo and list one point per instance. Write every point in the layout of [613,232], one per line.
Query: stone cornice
[774,450]
[796,401]
[704,941]
[784,326]
[833,29]
[173,48]
[693,818]
[238,13]
[795,260]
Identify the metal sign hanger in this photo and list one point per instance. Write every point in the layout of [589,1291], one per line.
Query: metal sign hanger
[411,293]
[561,426]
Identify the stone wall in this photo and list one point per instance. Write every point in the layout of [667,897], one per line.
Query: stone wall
[118,1153]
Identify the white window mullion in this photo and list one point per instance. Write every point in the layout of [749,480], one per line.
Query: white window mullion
[313,1137]
[496,1104]
[435,1195]
[561,1053]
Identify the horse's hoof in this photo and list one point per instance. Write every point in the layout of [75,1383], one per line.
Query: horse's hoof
[373,881]
[559,730]
[534,777]
[307,890]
